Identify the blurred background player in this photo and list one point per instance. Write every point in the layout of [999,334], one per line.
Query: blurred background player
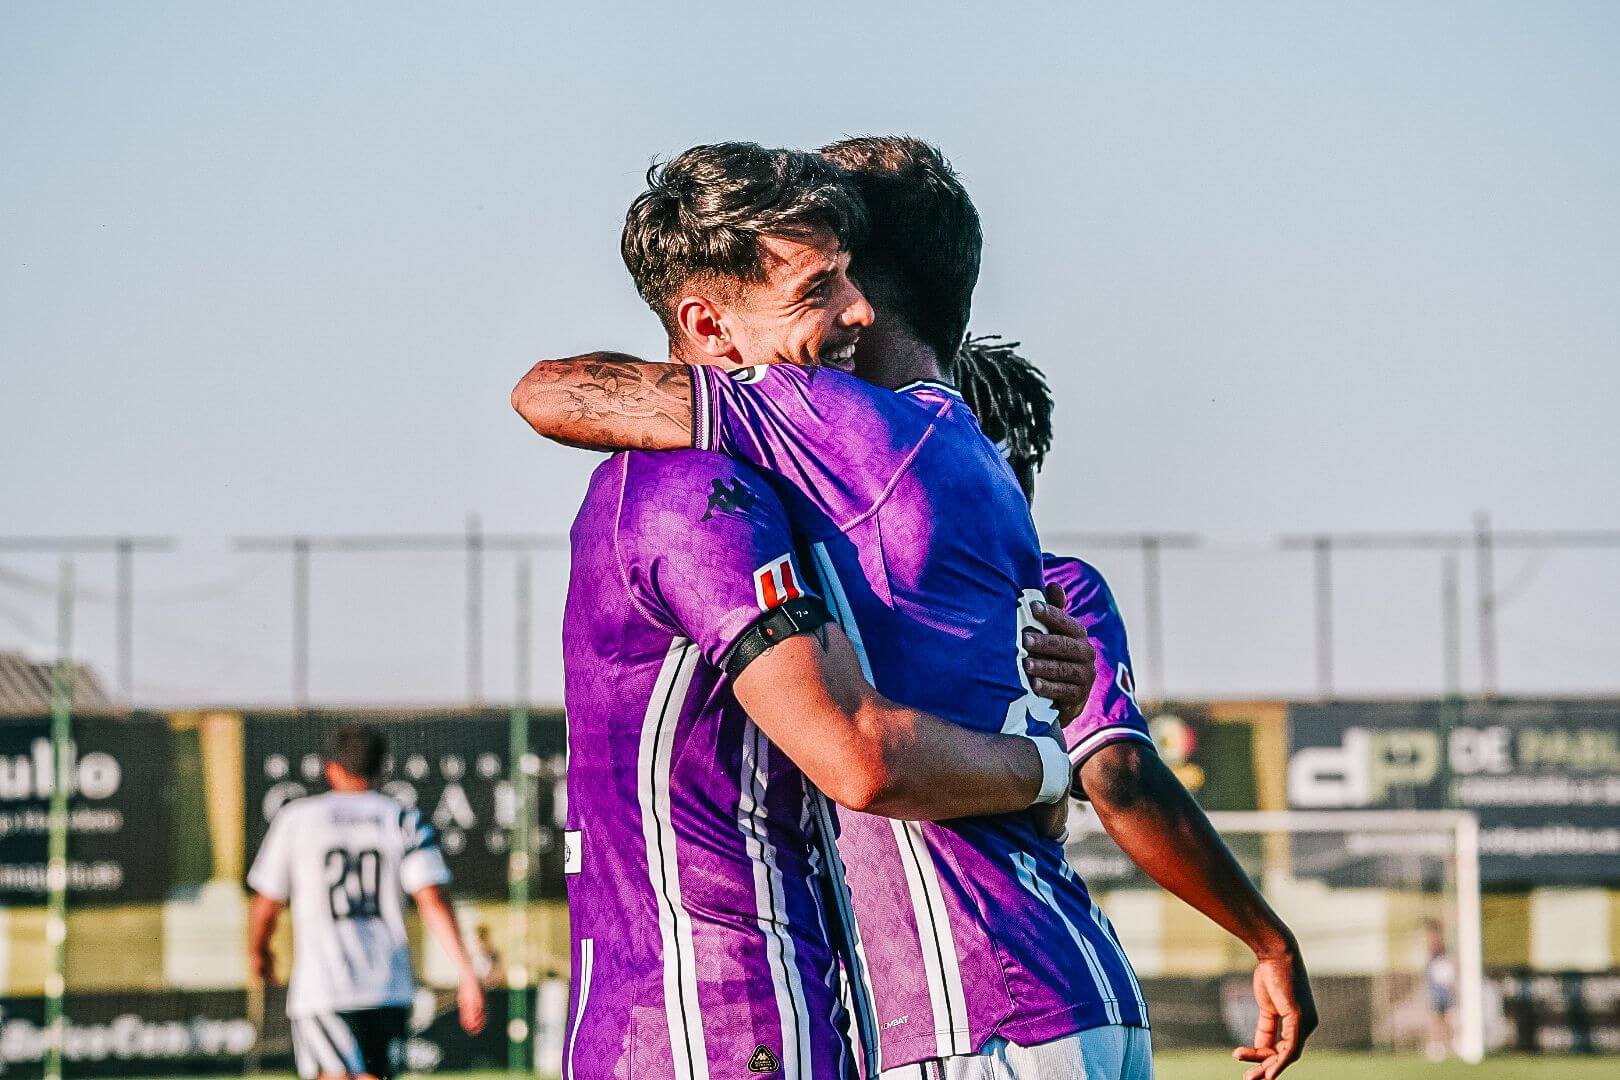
[1439,989]
[1139,801]
[345,861]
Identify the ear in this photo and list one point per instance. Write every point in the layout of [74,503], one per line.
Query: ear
[703,326]
[333,774]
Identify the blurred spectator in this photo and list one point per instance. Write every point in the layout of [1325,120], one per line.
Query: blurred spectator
[1440,986]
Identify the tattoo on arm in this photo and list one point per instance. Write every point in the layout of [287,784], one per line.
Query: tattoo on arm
[608,401]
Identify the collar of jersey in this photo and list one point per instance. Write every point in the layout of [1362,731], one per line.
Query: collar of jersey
[930,384]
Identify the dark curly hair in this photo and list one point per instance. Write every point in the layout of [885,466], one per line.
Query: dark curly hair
[1010,397]
[705,210]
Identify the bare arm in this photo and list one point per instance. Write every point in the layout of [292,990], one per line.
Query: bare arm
[262,918]
[440,919]
[867,753]
[608,401]
[1158,824]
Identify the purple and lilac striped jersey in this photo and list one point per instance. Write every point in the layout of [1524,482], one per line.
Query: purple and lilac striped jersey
[926,554]
[1111,714]
[699,945]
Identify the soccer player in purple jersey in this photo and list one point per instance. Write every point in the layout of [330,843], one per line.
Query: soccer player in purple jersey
[923,284]
[700,672]
[971,940]
[1139,801]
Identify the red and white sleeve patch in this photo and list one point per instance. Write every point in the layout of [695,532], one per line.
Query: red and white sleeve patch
[777,582]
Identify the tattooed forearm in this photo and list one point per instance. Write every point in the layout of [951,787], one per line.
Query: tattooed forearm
[608,401]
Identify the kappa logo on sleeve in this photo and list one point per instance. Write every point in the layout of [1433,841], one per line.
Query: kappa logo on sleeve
[726,500]
[777,582]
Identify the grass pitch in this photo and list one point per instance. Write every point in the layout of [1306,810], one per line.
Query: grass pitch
[1332,1065]
[1326,1065]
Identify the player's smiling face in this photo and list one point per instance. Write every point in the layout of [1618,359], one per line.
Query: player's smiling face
[807,311]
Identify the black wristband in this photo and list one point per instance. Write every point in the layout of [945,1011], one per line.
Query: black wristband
[800,615]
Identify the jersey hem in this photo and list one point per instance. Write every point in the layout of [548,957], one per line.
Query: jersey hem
[1034,1030]
[924,1045]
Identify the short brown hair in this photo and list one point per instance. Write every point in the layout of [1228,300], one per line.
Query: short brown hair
[705,210]
[920,257]
[358,749]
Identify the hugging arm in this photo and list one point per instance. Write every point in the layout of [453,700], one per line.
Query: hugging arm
[808,695]
[608,401]
[722,573]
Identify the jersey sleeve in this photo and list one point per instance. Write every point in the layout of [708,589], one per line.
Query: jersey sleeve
[705,547]
[800,424]
[271,874]
[421,861]
[1111,714]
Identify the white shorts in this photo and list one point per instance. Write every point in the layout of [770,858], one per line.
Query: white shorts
[367,1042]
[1114,1052]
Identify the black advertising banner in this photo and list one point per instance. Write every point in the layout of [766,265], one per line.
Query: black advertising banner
[178,1033]
[119,777]
[1543,776]
[451,765]
[1560,1012]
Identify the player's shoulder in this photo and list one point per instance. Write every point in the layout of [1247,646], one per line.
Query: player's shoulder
[822,386]
[347,806]
[660,468]
[296,809]
[1069,566]
[386,807]
[670,493]
[1083,585]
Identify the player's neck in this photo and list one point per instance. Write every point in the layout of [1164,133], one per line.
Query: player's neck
[892,357]
[680,353]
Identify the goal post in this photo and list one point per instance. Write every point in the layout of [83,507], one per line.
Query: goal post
[1386,905]
[1463,828]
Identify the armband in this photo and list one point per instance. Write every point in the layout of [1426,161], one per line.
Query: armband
[800,615]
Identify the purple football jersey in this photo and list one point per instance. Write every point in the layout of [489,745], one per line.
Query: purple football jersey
[925,552]
[699,944]
[1111,714]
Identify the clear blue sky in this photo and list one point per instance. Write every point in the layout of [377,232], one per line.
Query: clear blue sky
[1293,266]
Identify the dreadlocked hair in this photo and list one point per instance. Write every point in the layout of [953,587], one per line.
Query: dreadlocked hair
[1009,395]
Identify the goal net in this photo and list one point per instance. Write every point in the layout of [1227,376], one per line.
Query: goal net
[1386,906]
